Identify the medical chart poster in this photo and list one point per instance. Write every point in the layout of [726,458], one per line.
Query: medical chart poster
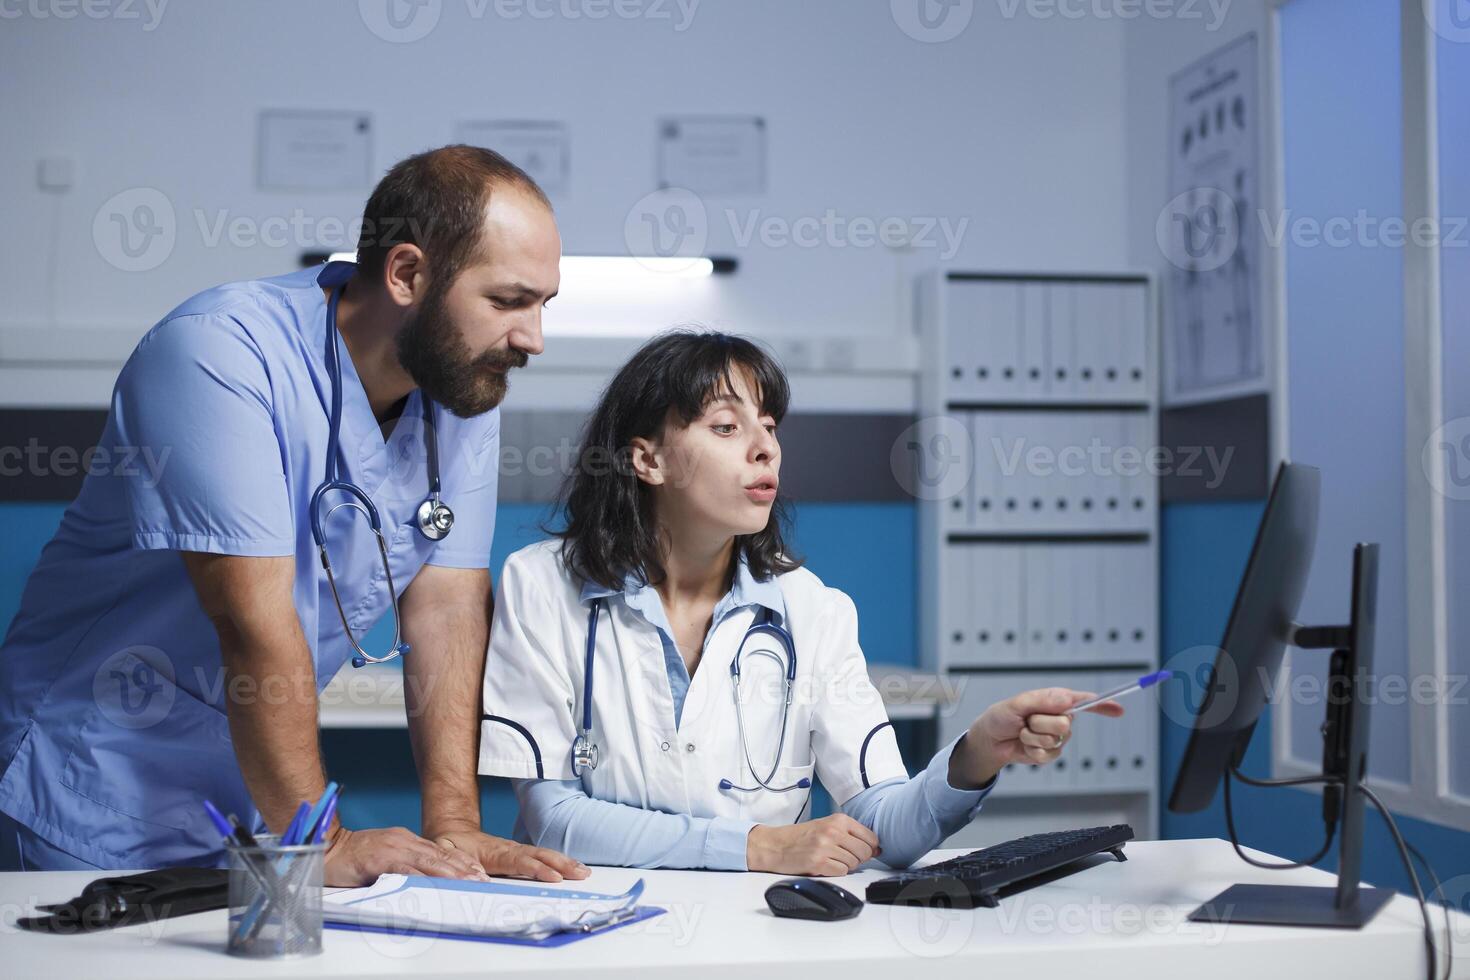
[1209,232]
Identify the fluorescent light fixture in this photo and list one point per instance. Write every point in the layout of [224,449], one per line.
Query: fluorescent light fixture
[630,267]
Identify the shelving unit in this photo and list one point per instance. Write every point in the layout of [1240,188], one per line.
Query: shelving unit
[1038,554]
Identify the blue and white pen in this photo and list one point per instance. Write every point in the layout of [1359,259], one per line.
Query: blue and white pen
[1147,680]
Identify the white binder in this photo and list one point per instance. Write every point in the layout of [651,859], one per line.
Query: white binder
[1032,373]
[1066,579]
[984,485]
[955,509]
[1000,354]
[1145,486]
[1039,597]
[1092,321]
[1139,606]
[1088,600]
[1007,578]
[1109,431]
[955,634]
[1140,480]
[1136,372]
[1005,467]
[1118,612]
[1061,340]
[964,312]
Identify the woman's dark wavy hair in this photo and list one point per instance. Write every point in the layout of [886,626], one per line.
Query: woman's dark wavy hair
[610,528]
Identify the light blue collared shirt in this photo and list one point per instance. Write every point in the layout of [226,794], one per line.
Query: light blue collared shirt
[909,816]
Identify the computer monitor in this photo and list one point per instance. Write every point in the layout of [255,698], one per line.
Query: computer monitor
[1256,636]
[1262,625]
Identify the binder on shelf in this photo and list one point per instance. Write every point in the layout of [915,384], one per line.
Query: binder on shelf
[1002,341]
[1138,472]
[1061,329]
[1135,374]
[1004,465]
[1090,338]
[1037,563]
[982,606]
[1032,371]
[1108,431]
[1087,586]
[981,510]
[1139,584]
[1118,611]
[1107,372]
[1007,578]
[1145,485]
[1065,627]
[964,312]
[955,609]
[955,508]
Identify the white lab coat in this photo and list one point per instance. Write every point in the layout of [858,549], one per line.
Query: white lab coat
[838,728]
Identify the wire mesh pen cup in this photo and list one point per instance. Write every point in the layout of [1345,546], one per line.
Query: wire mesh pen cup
[275,899]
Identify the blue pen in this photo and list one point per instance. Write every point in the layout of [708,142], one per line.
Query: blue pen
[315,815]
[220,823]
[1147,680]
[294,829]
[326,820]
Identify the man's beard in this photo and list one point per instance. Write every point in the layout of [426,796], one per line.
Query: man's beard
[430,350]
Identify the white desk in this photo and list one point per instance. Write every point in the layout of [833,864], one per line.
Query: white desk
[1114,920]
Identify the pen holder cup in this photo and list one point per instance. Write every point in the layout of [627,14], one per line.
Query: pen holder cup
[275,899]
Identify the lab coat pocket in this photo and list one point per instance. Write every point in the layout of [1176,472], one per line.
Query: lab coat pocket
[781,805]
[148,749]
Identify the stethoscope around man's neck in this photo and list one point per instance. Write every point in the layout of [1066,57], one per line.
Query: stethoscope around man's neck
[434,518]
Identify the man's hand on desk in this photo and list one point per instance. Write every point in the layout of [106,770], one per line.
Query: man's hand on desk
[357,857]
[833,845]
[498,856]
[1029,728]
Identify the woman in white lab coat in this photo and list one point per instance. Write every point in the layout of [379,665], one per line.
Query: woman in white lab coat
[672,550]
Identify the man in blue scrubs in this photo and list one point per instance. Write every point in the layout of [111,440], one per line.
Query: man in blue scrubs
[174,637]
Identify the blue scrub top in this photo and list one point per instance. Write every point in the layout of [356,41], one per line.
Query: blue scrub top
[112,693]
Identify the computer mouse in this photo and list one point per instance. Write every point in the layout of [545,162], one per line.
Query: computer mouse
[812,898]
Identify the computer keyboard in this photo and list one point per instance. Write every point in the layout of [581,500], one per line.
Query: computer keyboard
[973,879]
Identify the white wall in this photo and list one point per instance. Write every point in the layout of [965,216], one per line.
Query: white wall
[1016,126]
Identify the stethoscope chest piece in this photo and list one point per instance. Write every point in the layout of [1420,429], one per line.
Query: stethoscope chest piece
[435,518]
[584,755]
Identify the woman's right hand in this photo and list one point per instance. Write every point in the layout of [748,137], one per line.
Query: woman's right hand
[833,845]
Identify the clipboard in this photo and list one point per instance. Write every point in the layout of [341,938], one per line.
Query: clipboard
[638,914]
[528,913]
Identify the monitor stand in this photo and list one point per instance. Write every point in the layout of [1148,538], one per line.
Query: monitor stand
[1345,759]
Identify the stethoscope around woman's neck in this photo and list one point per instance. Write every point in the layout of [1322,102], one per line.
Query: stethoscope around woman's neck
[434,518]
[586,752]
